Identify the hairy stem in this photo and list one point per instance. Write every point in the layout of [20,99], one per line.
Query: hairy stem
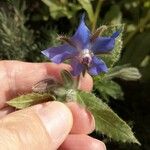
[98,8]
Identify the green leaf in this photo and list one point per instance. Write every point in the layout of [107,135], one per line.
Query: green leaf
[115,55]
[30,99]
[67,78]
[59,9]
[137,49]
[108,88]
[106,121]
[86,4]
[114,15]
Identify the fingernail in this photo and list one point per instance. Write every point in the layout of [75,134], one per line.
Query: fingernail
[57,119]
[92,121]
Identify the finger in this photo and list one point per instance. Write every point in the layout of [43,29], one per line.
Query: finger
[19,77]
[43,126]
[5,111]
[83,121]
[86,83]
[84,142]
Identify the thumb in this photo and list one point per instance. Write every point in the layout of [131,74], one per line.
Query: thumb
[44,126]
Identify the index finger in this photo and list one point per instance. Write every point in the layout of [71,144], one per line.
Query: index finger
[18,77]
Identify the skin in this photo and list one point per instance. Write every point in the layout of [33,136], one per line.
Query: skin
[47,126]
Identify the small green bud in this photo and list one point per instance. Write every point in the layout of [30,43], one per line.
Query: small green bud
[60,92]
[130,73]
[126,73]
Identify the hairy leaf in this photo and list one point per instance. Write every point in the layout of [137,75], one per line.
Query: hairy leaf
[109,88]
[115,55]
[30,99]
[114,15]
[59,8]
[135,53]
[106,121]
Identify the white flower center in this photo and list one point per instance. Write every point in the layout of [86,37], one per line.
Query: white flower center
[86,56]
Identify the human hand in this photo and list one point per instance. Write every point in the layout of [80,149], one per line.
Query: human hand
[47,126]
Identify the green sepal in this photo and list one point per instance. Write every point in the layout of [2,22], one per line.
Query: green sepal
[30,99]
[46,85]
[68,81]
[106,121]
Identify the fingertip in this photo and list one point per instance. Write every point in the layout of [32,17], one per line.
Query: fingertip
[86,83]
[55,69]
[78,141]
[57,119]
[52,121]
[83,120]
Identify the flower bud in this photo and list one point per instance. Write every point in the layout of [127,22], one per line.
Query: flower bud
[130,74]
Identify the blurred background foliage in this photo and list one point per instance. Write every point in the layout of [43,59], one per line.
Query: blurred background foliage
[27,27]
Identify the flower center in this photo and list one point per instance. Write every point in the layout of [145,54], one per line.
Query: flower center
[86,56]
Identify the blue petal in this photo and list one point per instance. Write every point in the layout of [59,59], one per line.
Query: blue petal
[104,44]
[115,34]
[60,53]
[82,35]
[77,67]
[97,66]
[61,57]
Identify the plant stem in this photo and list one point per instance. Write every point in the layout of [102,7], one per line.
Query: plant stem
[98,8]
[111,75]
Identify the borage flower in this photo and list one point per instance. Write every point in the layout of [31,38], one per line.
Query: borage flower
[82,49]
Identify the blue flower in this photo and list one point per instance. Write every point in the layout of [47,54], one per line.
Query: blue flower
[82,49]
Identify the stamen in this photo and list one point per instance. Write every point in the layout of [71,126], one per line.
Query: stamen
[86,52]
[86,57]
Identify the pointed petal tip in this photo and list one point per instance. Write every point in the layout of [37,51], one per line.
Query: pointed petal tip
[83,16]
[44,52]
[105,70]
[82,19]
[116,34]
[82,35]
